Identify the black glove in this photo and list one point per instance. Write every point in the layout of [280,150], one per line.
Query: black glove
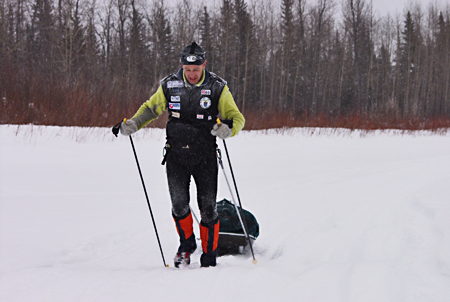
[116,128]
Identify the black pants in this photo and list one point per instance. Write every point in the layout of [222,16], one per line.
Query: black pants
[182,163]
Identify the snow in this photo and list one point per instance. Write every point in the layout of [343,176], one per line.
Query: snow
[344,216]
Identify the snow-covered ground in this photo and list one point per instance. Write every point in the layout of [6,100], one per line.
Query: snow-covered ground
[344,216]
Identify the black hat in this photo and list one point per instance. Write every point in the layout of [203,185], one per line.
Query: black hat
[193,55]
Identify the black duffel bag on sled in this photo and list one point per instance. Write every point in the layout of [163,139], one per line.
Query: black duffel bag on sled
[232,239]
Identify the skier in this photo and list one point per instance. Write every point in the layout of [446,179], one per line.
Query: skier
[195,98]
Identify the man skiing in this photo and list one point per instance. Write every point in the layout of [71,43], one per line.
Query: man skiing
[195,98]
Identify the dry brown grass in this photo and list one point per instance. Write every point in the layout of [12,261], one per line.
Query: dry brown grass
[258,121]
[46,102]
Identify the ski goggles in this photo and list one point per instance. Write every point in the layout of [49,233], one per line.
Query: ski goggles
[192,59]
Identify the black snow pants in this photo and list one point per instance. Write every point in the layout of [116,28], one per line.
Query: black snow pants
[200,163]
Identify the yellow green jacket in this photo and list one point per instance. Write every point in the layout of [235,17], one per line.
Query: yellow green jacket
[158,103]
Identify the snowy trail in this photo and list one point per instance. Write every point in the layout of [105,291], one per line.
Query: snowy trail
[344,216]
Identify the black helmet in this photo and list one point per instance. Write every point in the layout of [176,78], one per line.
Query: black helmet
[193,55]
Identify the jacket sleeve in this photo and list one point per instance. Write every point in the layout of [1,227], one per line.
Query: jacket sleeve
[151,109]
[229,111]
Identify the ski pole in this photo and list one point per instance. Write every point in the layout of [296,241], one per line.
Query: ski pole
[195,216]
[196,219]
[241,216]
[115,131]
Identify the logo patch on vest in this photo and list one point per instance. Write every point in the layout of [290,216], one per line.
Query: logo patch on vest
[206,92]
[175,84]
[175,106]
[176,114]
[205,103]
[200,116]
[175,98]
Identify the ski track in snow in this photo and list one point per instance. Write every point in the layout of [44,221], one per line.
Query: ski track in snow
[344,216]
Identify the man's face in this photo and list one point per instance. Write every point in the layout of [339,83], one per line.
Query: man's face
[193,73]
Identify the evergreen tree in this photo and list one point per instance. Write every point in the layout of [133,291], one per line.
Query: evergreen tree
[441,103]
[407,64]
[91,59]
[287,62]
[244,48]
[138,51]
[227,34]
[162,52]
[206,35]
[41,37]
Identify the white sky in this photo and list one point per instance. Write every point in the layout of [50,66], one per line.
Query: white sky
[383,7]
[397,6]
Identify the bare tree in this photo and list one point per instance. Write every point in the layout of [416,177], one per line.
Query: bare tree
[357,19]
[185,27]
[67,61]
[321,15]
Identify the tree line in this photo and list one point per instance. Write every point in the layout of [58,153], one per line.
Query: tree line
[305,63]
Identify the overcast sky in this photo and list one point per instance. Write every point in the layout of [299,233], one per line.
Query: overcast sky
[383,7]
[392,6]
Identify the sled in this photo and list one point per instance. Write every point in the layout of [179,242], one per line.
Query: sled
[232,239]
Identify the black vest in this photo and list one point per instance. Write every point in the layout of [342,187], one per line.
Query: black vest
[193,110]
